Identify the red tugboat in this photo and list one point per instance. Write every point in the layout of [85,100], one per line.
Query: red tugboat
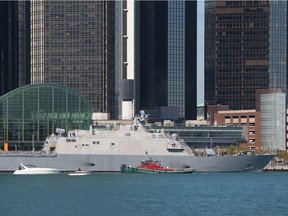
[150,166]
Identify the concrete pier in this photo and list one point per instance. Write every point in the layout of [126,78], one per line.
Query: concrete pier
[276,168]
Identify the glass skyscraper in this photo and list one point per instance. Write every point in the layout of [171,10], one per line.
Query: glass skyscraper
[74,43]
[122,56]
[245,50]
[167,45]
[14,45]
[176,55]
[278,44]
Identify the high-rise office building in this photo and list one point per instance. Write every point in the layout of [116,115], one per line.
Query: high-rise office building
[14,45]
[245,50]
[89,47]
[167,56]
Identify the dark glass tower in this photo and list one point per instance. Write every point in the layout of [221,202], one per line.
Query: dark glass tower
[69,46]
[14,45]
[86,45]
[245,50]
[167,56]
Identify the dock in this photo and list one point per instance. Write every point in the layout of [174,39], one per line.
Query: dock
[276,168]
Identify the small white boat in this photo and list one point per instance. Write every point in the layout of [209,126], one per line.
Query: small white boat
[34,170]
[79,173]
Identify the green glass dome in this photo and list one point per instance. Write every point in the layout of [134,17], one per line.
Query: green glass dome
[33,112]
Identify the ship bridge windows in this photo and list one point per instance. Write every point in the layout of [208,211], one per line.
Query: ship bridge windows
[70,140]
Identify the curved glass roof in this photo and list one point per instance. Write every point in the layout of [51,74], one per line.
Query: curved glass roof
[33,112]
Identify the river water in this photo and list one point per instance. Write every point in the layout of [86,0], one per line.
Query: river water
[145,194]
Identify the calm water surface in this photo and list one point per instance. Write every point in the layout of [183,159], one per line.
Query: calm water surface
[145,194]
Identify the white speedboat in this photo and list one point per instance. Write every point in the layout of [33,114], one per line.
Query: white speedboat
[79,173]
[34,170]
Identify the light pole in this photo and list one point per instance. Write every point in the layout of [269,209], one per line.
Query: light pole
[33,149]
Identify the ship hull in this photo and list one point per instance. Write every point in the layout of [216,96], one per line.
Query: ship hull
[112,163]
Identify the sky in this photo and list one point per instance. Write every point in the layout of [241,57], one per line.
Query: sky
[200,51]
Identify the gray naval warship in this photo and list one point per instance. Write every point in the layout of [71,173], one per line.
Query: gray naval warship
[105,149]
